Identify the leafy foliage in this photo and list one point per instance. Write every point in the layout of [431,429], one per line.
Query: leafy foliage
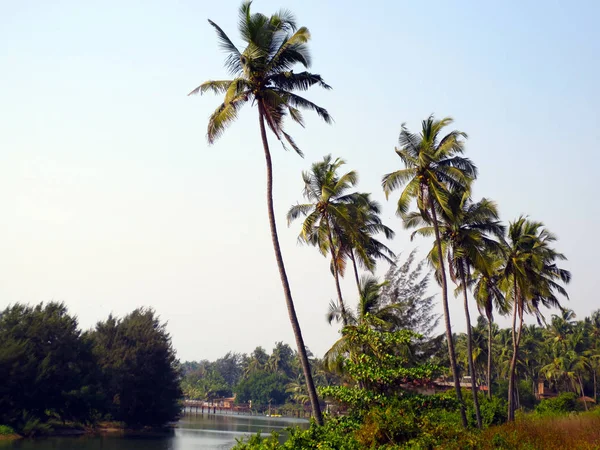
[140,371]
[126,369]
[45,366]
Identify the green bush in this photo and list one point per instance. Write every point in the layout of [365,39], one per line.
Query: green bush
[35,427]
[336,434]
[564,403]
[493,411]
[5,430]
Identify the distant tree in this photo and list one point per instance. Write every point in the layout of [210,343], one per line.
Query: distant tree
[230,368]
[281,360]
[255,362]
[262,388]
[140,372]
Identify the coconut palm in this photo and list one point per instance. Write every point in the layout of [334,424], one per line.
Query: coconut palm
[262,75]
[370,311]
[328,210]
[488,296]
[433,167]
[297,391]
[531,279]
[567,368]
[466,229]
[360,245]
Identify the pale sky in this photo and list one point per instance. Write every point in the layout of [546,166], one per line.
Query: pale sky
[111,198]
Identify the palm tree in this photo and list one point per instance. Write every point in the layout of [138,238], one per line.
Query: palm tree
[361,246]
[567,367]
[262,74]
[488,296]
[328,211]
[370,311]
[297,389]
[561,327]
[465,228]
[531,279]
[433,167]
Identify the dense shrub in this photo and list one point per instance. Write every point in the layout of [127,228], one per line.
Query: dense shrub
[564,403]
[5,430]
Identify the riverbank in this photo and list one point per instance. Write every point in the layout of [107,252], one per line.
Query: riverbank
[66,429]
[8,434]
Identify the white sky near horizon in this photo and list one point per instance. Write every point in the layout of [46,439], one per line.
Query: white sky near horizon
[111,198]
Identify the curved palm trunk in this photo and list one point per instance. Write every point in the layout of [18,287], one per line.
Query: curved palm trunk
[489,359]
[513,362]
[451,353]
[310,386]
[470,347]
[356,277]
[336,276]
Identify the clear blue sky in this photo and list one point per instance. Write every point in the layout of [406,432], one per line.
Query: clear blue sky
[111,198]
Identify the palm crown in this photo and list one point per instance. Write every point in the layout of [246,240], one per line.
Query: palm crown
[433,165]
[263,73]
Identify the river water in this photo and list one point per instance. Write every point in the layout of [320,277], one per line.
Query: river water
[206,432]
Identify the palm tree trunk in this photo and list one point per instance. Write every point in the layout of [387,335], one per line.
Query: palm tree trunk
[489,359]
[513,362]
[451,353]
[310,386]
[336,276]
[595,392]
[582,393]
[470,346]
[356,277]
[511,371]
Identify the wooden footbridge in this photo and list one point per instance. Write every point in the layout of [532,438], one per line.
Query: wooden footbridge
[228,407]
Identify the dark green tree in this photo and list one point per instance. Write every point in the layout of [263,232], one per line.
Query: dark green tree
[46,367]
[141,376]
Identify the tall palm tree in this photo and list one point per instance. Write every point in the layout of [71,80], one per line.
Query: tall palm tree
[531,279]
[262,74]
[433,167]
[328,210]
[466,228]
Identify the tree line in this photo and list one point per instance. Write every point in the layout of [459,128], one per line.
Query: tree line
[506,269]
[262,378]
[52,372]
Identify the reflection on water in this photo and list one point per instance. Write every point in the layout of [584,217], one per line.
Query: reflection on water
[206,432]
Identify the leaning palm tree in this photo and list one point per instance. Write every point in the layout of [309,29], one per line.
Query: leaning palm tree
[328,210]
[466,230]
[433,167]
[262,75]
[531,280]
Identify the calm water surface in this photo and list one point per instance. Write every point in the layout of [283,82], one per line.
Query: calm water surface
[210,432]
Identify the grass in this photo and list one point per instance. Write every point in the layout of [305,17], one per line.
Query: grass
[531,432]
